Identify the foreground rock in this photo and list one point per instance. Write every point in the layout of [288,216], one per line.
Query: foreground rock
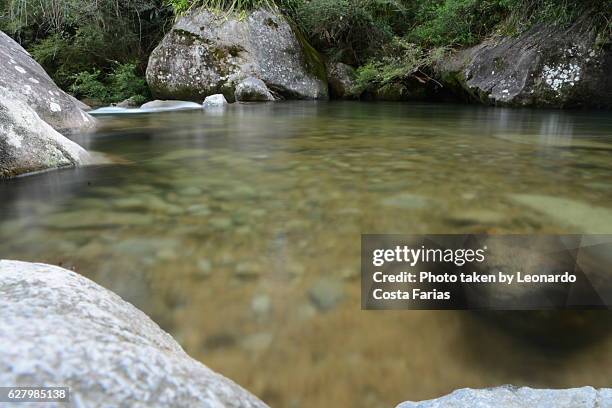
[29,144]
[207,53]
[524,397]
[253,90]
[58,328]
[24,79]
[545,66]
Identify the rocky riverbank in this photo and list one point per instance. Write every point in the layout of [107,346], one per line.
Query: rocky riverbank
[546,66]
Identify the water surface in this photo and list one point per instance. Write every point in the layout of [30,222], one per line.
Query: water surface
[239,233]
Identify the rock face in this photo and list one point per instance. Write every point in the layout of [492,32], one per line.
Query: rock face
[58,328]
[207,53]
[545,66]
[252,90]
[341,79]
[523,397]
[28,144]
[23,78]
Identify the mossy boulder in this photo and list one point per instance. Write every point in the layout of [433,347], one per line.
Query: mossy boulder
[546,66]
[209,53]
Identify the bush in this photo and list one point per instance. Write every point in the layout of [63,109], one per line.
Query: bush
[401,62]
[457,22]
[88,84]
[119,84]
[72,38]
[181,6]
[347,30]
[124,83]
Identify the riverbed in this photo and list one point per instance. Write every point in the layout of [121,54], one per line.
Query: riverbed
[238,232]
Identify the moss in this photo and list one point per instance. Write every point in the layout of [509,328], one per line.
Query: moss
[314,61]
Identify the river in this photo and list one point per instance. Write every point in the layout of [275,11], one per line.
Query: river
[239,233]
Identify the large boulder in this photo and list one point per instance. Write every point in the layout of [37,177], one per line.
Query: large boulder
[523,397]
[23,78]
[29,144]
[545,66]
[207,53]
[58,328]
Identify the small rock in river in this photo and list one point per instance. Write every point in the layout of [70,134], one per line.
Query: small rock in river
[221,223]
[247,270]
[261,305]
[190,192]
[204,268]
[214,101]
[407,201]
[326,293]
[257,341]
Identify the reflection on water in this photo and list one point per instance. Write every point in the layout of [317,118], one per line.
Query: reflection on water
[239,233]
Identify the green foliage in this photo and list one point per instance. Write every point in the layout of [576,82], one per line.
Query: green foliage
[346,30]
[89,85]
[121,83]
[401,62]
[182,6]
[80,41]
[457,22]
[124,82]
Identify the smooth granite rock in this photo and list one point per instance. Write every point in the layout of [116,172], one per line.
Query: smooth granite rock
[523,397]
[22,78]
[58,328]
[215,101]
[169,105]
[29,144]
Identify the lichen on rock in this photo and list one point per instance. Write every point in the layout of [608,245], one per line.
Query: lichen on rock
[24,79]
[546,66]
[207,53]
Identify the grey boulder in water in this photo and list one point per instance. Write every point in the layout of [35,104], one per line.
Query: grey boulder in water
[523,397]
[208,53]
[253,90]
[24,79]
[29,144]
[214,101]
[58,328]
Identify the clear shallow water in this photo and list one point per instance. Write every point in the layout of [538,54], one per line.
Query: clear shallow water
[239,233]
